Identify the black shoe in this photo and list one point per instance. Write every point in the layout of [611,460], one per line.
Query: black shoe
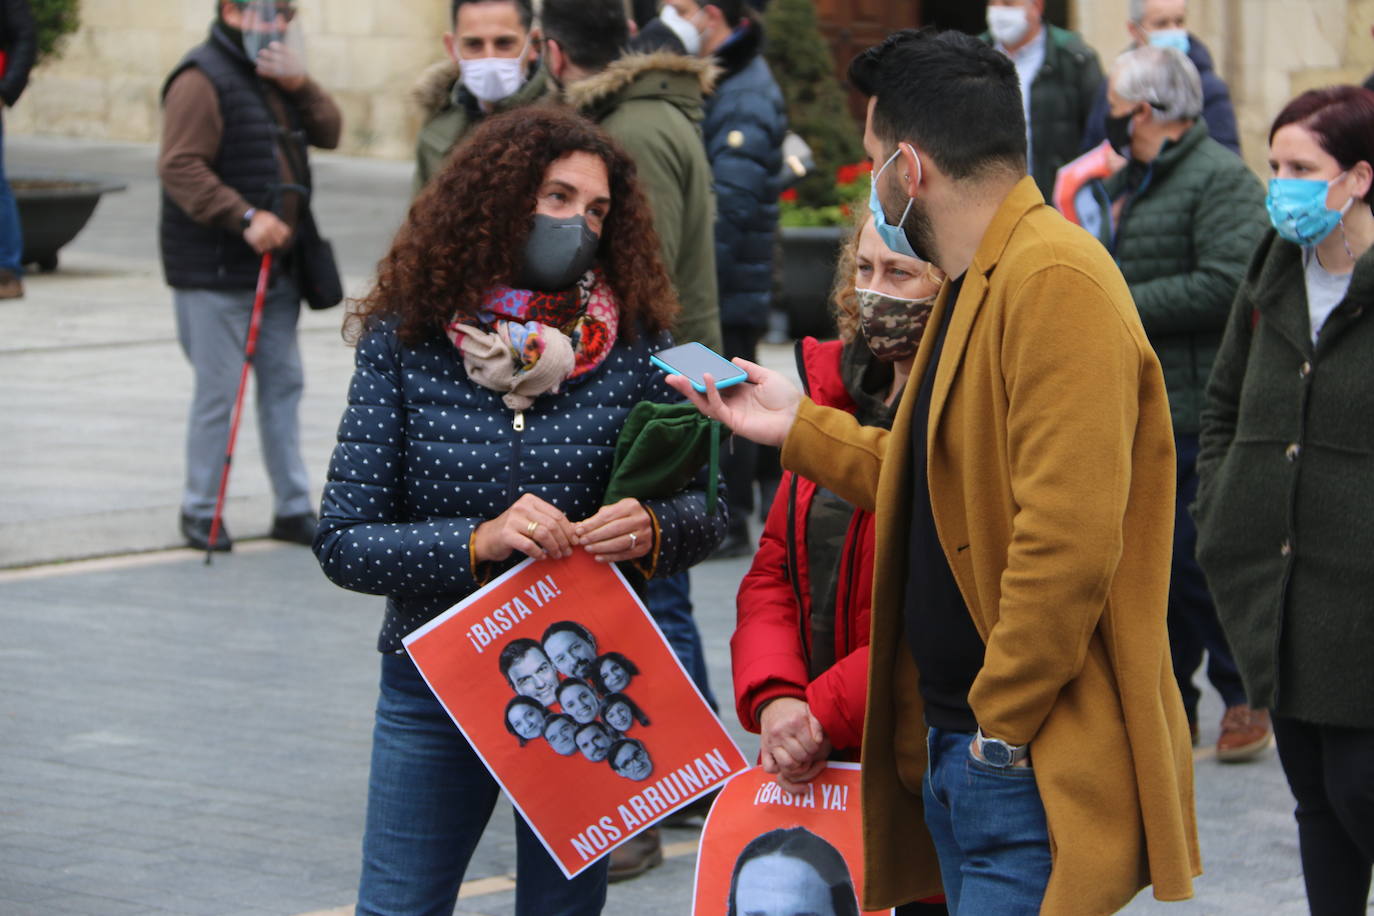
[197,533]
[297,529]
[736,544]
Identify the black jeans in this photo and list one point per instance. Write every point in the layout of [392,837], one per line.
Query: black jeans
[1331,773]
[1193,623]
[743,463]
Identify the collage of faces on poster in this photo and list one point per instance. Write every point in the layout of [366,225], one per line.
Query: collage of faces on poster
[575,699]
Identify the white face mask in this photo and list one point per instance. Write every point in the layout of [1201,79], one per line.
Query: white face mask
[1008,24]
[682,28]
[491,79]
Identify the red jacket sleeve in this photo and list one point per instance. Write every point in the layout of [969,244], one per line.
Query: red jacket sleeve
[766,652]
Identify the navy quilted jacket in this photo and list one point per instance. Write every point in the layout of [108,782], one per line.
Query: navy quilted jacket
[425,455]
[746,120]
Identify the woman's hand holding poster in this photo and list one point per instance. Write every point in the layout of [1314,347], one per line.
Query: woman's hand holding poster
[563,684]
[766,851]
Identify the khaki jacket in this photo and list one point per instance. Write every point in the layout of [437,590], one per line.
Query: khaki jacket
[1051,469]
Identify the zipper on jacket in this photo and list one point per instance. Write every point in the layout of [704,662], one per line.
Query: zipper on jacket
[848,573]
[794,573]
[517,441]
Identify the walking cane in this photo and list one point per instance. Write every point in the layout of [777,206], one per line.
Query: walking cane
[254,322]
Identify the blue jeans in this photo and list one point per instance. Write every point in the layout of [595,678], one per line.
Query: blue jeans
[669,601]
[1193,623]
[989,829]
[428,800]
[11,235]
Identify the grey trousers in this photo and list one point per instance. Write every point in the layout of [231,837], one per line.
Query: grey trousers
[212,326]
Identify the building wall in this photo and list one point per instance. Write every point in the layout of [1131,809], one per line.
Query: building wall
[368,54]
[107,83]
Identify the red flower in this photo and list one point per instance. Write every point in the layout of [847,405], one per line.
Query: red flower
[790,195]
[846,174]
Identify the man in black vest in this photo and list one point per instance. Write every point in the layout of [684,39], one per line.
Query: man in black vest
[235,131]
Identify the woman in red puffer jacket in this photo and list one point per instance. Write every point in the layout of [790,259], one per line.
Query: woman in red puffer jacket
[800,648]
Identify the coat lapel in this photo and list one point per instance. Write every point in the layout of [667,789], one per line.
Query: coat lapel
[1024,197]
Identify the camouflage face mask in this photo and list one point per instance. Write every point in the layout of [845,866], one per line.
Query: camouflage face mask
[891,325]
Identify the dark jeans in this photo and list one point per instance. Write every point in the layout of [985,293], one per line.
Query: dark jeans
[428,800]
[669,600]
[988,826]
[1331,773]
[744,463]
[11,235]
[1193,623]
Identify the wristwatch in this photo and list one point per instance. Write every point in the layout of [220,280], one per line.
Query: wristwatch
[247,218]
[1000,753]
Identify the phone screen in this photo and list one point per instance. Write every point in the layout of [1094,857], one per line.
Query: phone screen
[694,361]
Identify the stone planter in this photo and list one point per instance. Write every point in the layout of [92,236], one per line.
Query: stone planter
[53,209]
[809,254]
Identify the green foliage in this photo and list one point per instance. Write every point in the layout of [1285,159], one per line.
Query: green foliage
[802,63]
[56,19]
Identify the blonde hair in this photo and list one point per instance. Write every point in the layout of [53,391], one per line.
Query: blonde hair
[842,298]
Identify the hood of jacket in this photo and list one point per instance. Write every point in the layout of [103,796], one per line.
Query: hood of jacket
[745,44]
[674,78]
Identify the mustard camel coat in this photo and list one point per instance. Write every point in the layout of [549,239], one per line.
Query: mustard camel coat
[1051,468]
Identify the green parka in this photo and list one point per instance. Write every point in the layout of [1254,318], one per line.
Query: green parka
[652,105]
[1286,497]
[1182,241]
[451,111]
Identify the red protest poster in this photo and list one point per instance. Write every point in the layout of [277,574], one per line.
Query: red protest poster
[559,679]
[765,851]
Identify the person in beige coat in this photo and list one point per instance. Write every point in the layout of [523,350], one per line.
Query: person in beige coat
[1021,702]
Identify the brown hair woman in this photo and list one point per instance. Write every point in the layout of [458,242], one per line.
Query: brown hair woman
[504,343]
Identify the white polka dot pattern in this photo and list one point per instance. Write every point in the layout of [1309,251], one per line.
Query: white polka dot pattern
[425,455]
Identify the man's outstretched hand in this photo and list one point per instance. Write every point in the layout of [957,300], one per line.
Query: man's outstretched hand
[761,409]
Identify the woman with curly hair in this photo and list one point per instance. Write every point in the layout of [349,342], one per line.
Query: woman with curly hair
[498,355]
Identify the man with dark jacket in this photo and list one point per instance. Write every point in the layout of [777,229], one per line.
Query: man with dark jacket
[1186,215]
[1164,23]
[238,112]
[19,43]
[652,104]
[493,66]
[1060,76]
[746,121]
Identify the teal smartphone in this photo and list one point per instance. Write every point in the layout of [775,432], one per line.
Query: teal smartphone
[694,360]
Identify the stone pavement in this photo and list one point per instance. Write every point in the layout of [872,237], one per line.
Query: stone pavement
[191,740]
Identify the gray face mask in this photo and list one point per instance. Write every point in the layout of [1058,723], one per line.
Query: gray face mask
[557,253]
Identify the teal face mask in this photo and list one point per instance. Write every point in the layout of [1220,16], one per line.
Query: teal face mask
[1171,38]
[1298,211]
[893,236]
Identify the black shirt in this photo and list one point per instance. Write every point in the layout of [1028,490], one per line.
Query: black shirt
[939,631]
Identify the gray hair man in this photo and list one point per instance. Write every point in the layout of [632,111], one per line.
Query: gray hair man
[1183,218]
[1164,24]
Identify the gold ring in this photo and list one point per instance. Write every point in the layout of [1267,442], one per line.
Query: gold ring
[633,539]
[531,528]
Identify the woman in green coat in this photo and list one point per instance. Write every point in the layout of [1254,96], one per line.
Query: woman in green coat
[1286,504]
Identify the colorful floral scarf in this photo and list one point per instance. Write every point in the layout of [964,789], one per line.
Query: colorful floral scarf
[529,343]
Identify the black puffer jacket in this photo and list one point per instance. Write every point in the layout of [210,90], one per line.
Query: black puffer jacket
[19,41]
[746,120]
[425,455]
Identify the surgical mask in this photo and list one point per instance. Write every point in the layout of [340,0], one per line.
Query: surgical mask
[892,325]
[1171,38]
[491,79]
[1297,209]
[894,237]
[1008,24]
[682,28]
[557,253]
